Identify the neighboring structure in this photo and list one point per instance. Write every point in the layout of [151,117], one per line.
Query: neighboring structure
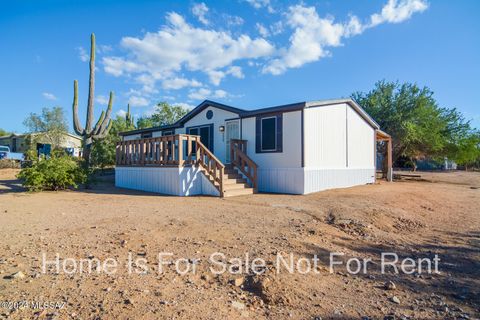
[297,149]
[22,142]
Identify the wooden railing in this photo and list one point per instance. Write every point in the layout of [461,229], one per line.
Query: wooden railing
[174,150]
[239,158]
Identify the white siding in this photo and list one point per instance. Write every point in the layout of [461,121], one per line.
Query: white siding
[339,147]
[291,156]
[184,181]
[360,141]
[325,136]
[218,119]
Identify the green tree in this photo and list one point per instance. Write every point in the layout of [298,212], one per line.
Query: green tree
[49,126]
[3,132]
[164,114]
[419,127]
[103,151]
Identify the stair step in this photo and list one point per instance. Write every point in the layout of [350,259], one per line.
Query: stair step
[238,192]
[235,186]
[233,181]
[232,176]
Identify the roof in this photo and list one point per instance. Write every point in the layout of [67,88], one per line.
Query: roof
[242,113]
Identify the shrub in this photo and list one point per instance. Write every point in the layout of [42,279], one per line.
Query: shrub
[56,173]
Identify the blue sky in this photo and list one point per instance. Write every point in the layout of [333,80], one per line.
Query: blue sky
[246,53]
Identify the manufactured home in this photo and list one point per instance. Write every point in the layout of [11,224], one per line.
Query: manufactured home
[221,150]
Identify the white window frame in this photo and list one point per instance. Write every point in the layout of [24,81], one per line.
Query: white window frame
[261,133]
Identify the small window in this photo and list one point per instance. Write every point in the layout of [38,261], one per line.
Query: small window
[146,135]
[269,133]
[209,114]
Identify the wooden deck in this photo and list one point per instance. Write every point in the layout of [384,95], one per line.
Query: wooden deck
[187,150]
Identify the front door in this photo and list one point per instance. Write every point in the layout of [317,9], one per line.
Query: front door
[232,131]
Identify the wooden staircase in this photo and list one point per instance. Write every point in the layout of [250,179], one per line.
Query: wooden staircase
[234,184]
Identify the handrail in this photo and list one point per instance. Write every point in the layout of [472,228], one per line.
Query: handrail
[173,150]
[239,158]
[214,167]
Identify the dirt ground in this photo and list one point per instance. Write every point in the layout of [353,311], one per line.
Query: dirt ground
[414,219]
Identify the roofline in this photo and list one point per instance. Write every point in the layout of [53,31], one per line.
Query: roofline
[179,123]
[251,113]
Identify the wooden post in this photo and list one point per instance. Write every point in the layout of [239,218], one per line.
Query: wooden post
[142,152]
[389,160]
[222,190]
[189,149]
[180,150]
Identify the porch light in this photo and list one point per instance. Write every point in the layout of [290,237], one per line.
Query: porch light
[221,128]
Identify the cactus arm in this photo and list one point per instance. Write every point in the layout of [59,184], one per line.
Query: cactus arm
[106,121]
[96,129]
[76,123]
[104,133]
[91,85]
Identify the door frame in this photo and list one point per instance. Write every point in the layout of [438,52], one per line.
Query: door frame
[227,143]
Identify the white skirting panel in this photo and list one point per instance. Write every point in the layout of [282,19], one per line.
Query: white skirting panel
[317,179]
[185,181]
[281,180]
[308,180]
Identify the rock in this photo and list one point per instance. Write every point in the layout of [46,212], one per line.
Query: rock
[17,275]
[395,299]
[389,285]
[238,305]
[239,281]
[389,317]
[317,318]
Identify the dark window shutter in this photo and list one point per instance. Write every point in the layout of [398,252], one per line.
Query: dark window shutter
[258,137]
[280,133]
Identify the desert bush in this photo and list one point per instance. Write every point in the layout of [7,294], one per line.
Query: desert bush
[8,163]
[55,173]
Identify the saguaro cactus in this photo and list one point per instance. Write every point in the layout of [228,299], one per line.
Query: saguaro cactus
[100,130]
[128,117]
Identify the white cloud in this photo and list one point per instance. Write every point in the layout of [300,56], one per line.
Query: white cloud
[136,101]
[200,94]
[103,100]
[398,11]
[313,35]
[236,71]
[258,4]
[204,93]
[179,46]
[49,96]
[179,83]
[233,20]
[82,54]
[220,94]
[121,113]
[262,30]
[200,10]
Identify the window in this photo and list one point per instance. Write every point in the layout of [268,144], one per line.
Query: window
[146,135]
[167,133]
[269,133]
[206,134]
